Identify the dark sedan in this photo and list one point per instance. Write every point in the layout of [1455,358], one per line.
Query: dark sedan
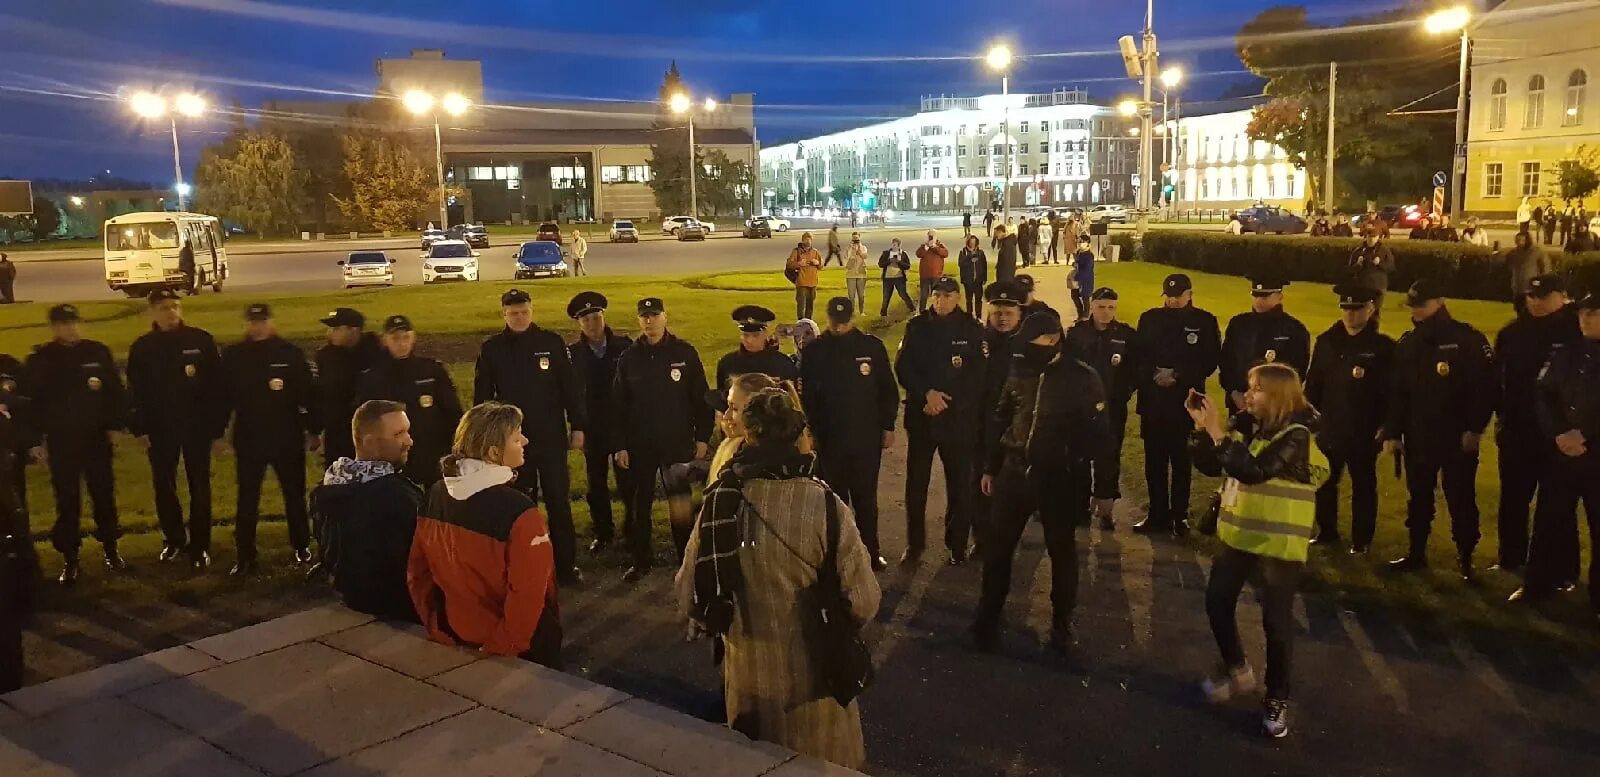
[1264,219]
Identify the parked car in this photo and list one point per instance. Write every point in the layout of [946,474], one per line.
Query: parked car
[367,268]
[475,235]
[671,225]
[550,231]
[758,227]
[1262,219]
[1113,213]
[431,236]
[450,260]
[692,230]
[537,258]
[623,231]
[778,223]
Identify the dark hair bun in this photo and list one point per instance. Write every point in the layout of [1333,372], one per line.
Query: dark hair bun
[771,417]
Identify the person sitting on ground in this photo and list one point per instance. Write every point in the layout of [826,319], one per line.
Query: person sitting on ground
[1341,226]
[1423,230]
[1474,234]
[482,571]
[365,514]
[1582,239]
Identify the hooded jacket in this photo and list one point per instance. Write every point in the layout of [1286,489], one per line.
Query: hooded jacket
[365,514]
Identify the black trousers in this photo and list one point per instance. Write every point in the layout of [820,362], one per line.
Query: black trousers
[10,649]
[891,287]
[8,291]
[338,441]
[1553,556]
[974,292]
[1277,581]
[1016,497]
[1522,462]
[1167,473]
[544,476]
[852,473]
[597,464]
[1362,463]
[644,472]
[288,462]
[1106,473]
[920,448]
[19,477]
[196,453]
[833,251]
[72,461]
[1457,471]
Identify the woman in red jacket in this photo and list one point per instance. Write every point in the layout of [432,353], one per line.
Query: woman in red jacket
[482,572]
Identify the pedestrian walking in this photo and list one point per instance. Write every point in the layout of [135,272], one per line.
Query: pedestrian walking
[855,272]
[8,280]
[348,354]
[424,386]
[1180,346]
[1525,261]
[966,223]
[930,268]
[1524,216]
[1042,232]
[1549,222]
[594,357]
[1080,277]
[275,421]
[528,367]
[1027,241]
[973,266]
[178,407]
[1110,347]
[895,264]
[803,268]
[834,248]
[758,351]
[1004,243]
[186,266]
[988,221]
[580,252]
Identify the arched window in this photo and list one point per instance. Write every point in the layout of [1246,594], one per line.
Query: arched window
[1577,84]
[1497,104]
[1534,117]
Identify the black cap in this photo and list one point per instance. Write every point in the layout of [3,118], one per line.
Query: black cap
[1104,292]
[61,314]
[753,318]
[514,297]
[1423,290]
[1024,281]
[841,310]
[1044,322]
[162,295]
[946,284]
[259,311]
[1266,285]
[344,317]
[1545,285]
[397,323]
[1354,295]
[1004,293]
[1176,284]
[652,306]
[586,302]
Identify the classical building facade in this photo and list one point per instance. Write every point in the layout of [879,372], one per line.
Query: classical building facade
[1218,167]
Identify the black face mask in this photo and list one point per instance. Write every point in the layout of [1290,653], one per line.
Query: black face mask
[1038,355]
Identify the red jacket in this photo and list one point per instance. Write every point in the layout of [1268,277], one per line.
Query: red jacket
[482,571]
[930,262]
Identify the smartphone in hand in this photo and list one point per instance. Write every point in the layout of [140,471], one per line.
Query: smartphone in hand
[1195,400]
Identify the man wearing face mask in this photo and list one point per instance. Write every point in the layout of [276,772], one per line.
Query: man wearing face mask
[1053,412]
[424,387]
[757,351]
[1111,348]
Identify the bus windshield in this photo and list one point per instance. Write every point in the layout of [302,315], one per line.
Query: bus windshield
[141,237]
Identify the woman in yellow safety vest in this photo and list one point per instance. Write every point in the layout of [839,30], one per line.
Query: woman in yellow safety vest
[1270,457]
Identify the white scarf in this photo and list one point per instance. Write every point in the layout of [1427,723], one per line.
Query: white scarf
[477,475]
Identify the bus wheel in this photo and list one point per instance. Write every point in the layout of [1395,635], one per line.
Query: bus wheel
[216,286]
[135,293]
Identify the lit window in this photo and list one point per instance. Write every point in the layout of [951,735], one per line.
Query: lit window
[480,174]
[1493,179]
[1497,105]
[611,173]
[1534,117]
[1572,113]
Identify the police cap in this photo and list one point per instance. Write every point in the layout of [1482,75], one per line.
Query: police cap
[1004,293]
[946,284]
[1266,285]
[1423,290]
[1044,322]
[753,318]
[1176,284]
[1545,285]
[841,310]
[514,297]
[61,314]
[397,323]
[586,302]
[162,295]
[1024,281]
[652,306]
[1353,295]
[259,311]
[344,317]
[1104,292]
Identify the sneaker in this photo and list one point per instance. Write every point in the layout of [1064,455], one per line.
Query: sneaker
[302,556]
[1239,681]
[1275,718]
[170,553]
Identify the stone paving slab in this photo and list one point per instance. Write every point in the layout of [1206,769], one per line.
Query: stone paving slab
[280,632]
[530,692]
[110,738]
[676,743]
[9,716]
[806,766]
[109,680]
[298,707]
[483,742]
[405,649]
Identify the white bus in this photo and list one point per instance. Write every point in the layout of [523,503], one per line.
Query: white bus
[143,250]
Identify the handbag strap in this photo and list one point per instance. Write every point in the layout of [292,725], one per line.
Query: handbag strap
[829,571]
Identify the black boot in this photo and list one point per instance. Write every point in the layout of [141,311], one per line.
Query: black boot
[69,569]
[1411,562]
[114,561]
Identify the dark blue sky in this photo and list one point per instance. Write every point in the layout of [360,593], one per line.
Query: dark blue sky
[814,65]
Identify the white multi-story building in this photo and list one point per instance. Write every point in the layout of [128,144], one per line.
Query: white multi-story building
[951,155]
[1220,168]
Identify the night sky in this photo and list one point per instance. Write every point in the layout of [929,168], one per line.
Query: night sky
[815,66]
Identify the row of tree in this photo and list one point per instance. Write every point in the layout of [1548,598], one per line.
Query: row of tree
[724,185]
[44,222]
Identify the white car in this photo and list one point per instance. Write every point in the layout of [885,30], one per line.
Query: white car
[431,236]
[1116,213]
[778,224]
[368,268]
[670,226]
[450,260]
[623,231]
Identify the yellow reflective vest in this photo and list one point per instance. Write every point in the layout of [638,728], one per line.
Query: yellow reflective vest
[1277,518]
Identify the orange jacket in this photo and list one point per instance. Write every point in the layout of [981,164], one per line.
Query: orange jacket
[809,262]
[930,260]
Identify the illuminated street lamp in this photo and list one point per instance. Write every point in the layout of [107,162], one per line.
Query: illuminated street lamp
[152,106]
[1128,108]
[420,103]
[681,103]
[1170,79]
[1438,23]
[999,59]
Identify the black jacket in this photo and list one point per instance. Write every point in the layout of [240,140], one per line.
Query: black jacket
[1184,340]
[15,396]
[364,532]
[1348,383]
[767,361]
[903,261]
[999,353]
[1051,418]
[849,391]
[973,265]
[1443,386]
[76,389]
[1113,352]
[1370,265]
[271,393]
[424,386]
[659,401]
[533,371]
[1257,338]
[596,373]
[944,353]
[1569,395]
[19,561]
[1288,456]
[1522,349]
[339,372]
[175,384]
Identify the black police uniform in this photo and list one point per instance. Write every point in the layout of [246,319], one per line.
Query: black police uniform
[998,352]
[17,399]
[659,412]
[1348,382]
[596,366]
[1569,398]
[19,571]
[770,360]
[177,396]
[850,396]
[1113,352]
[942,353]
[271,392]
[533,371]
[1261,338]
[1443,388]
[1186,341]
[339,371]
[1053,411]
[423,385]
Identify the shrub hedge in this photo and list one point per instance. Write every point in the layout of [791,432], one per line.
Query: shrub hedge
[1470,272]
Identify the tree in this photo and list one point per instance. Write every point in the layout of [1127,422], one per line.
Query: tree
[46,218]
[391,183]
[669,155]
[1576,178]
[727,184]
[251,179]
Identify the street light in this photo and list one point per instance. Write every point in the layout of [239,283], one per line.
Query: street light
[1170,79]
[681,103]
[150,105]
[1438,23]
[1128,108]
[420,103]
[999,59]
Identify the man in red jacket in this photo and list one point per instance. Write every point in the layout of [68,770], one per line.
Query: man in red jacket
[930,267]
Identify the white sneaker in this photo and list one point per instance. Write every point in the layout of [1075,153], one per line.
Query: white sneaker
[1239,681]
[1275,718]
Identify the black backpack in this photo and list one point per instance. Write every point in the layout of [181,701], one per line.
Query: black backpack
[829,629]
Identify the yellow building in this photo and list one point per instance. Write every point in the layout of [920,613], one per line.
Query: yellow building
[1532,61]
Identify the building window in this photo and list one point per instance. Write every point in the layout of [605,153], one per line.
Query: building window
[1272,186]
[961,150]
[1022,169]
[567,177]
[1497,105]
[1024,146]
[994,150]
[1530,179]
[1534,117]
[982,128]
[480,174]
[1044,168]
[611,174]
[1024,128]
[961,130]
[1572,114]
[1493,179]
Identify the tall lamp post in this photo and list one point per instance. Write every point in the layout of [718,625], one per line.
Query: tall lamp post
[999,60]
[1170,79]
[150,105]
[1439,22]
[421,103]
[682,104]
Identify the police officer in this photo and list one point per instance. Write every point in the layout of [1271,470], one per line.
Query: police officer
[1523,347]
[79,403]
[1031,303]
[1348,382]
[349,353]
[15,396]
[1053,410]
[757,351]
[528,366]
[661,423]
[19,570]
[1266,334]
[1000,325]
[1111,348]
[424,387]
[850,395]
[594,357]
[178,406]
[1179,347]
[274,423]
[941,366]
[1568,402]
[1443,395]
